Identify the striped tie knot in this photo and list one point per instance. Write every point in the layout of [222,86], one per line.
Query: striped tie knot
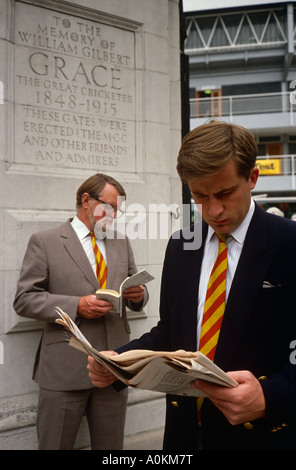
[221,237]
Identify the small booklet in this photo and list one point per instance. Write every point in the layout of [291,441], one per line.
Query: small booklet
[115,298]
[160,371]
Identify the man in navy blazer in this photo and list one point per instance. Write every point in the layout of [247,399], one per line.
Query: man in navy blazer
[218,161]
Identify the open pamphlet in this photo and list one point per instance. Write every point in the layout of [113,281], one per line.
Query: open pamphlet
[115,298]
[160,371]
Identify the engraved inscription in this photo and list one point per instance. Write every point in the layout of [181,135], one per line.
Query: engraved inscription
[74,92]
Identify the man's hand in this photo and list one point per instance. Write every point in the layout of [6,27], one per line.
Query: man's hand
[100,376]
[91,307]
[134,294]
[243,403]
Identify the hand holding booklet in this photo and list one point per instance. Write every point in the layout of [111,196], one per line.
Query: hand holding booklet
[115,298]
[161,371]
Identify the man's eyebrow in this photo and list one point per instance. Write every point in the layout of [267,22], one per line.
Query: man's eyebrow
[198,193]
[226,190]
[222,191]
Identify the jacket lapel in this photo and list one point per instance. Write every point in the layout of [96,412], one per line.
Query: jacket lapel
[251,271]
[75,250]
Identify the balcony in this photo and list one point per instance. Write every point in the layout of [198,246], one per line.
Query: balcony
[252,111]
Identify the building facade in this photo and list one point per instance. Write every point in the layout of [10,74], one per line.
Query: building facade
[242,69]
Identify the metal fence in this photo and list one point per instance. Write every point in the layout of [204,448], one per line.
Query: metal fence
[229,106]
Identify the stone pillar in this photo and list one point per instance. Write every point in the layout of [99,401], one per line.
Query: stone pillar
[85,87]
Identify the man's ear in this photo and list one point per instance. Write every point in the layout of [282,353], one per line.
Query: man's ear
[85,200]
[253,177]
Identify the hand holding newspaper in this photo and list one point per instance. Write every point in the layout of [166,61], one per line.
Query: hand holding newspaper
[161,371]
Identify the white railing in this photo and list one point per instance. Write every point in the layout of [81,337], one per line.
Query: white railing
[229,106]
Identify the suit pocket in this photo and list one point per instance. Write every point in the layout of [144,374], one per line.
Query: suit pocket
[275,293]
[55,334]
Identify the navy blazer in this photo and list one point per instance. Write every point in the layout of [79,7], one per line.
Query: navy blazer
[258,327]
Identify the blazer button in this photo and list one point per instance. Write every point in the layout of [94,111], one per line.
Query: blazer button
[175,404]
[248,425]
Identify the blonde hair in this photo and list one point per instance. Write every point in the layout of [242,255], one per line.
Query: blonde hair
[210,147]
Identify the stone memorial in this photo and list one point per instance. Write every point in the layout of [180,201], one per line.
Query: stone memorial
[85,87]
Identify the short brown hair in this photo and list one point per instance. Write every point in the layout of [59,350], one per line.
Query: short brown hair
[210,147]
[95,185]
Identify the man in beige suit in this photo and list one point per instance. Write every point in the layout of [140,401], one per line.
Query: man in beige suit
[59,269]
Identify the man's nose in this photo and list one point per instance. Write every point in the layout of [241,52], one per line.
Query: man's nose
[215,208]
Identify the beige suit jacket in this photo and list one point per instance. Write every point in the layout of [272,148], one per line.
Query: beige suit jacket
[56,272]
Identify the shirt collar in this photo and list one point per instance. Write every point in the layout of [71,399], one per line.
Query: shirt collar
[239,234]
[80,228]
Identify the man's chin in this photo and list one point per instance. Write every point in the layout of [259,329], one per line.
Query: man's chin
[219,226]
[102,228]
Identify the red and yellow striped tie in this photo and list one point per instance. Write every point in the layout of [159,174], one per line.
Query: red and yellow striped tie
[101,267]
[214,307]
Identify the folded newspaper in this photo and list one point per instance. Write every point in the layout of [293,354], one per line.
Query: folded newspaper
[160,371]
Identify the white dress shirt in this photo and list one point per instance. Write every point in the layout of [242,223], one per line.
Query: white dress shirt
[234,242]
[82,233]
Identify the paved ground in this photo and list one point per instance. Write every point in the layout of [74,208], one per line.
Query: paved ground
[151,440]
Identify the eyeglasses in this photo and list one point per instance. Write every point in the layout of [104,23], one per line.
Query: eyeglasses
[109,208]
